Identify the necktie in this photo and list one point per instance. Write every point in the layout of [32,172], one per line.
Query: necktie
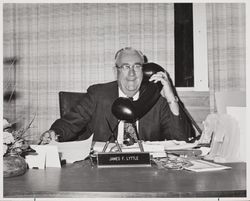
[129,134]
[129,137]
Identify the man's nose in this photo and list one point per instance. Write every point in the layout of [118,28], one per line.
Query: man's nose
[131,71]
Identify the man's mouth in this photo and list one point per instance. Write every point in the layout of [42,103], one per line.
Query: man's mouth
[131,79]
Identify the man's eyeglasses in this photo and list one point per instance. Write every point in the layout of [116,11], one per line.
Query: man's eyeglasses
[127,67]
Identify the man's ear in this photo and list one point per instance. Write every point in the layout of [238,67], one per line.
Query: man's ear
[145,59]
[114,69]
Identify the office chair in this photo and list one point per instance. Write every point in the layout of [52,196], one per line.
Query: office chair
[68,100]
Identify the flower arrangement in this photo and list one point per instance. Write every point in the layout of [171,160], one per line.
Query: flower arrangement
[14,141]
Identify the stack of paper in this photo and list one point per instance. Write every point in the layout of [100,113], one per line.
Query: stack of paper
[75,150]
[173,144]
[203,166]
[156,150]
[98,146]
[47,156]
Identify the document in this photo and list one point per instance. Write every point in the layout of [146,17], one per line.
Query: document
[36,161]
[98,146]
[147,147]
[75,150]
[240,115]
[173,144]
[156,150]
[204,166]
[47,156]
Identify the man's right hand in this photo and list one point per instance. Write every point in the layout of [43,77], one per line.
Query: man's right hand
[48,136]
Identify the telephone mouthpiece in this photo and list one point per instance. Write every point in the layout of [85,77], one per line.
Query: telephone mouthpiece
[123,109]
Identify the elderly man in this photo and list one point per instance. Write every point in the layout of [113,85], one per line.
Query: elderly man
[164,121]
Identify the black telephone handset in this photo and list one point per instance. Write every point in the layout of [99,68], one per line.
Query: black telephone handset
[128,110]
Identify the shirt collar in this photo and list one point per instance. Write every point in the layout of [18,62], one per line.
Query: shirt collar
[121,94]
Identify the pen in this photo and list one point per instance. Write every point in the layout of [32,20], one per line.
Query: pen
[105,146]
[91,161]
[118,146]
[140,145]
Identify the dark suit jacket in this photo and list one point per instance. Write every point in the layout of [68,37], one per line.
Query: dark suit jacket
[93,110]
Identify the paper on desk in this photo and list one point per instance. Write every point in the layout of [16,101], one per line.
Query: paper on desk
[75,150]
[98,146]
[153,146]
[204,166]
[36,161]
[47,156]
[150,146]
[147,147]
[157,150]
[239,113]
[52,156]
[173,144]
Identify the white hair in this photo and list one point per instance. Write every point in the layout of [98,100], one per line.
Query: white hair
[128,49]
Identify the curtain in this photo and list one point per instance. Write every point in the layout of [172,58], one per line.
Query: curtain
[71,46]
[226,24]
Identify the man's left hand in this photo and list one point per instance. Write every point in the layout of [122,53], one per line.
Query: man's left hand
[166,91]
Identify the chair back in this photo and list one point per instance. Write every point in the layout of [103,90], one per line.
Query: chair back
[67,100]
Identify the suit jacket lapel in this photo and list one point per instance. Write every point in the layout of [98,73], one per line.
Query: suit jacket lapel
[113,96]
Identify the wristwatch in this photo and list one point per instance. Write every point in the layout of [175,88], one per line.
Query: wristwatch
[176,100]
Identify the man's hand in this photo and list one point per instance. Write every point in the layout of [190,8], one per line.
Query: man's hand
[166,91]
[47,137]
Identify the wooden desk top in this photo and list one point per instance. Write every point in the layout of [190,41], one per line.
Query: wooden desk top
[81,180]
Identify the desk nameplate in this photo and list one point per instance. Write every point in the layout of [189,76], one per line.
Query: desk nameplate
[129,159]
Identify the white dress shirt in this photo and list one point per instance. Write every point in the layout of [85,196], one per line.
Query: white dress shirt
[121,124]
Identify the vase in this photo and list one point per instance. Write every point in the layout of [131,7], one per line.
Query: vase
[14,166]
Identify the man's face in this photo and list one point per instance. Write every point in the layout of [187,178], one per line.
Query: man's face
[130,77]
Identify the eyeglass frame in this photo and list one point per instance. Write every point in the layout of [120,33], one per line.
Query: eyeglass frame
[127,67]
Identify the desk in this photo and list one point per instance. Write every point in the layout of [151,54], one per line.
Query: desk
[81,180]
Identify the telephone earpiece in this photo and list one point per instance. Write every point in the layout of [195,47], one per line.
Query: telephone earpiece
[128,110]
